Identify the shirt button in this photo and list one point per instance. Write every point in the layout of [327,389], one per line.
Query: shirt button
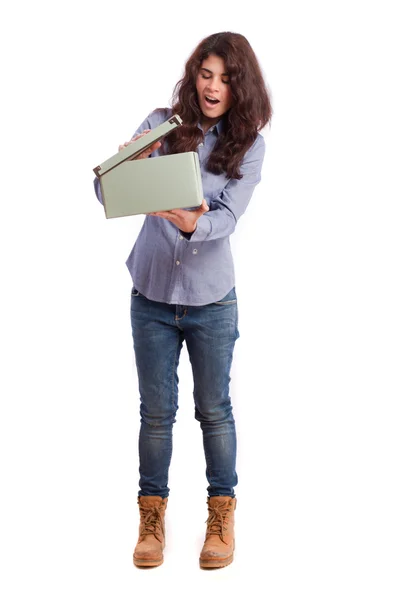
[200,145]
[177,263]
[194,251]
[181,237]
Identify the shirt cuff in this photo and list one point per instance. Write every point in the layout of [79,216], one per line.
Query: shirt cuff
[186,235]
[202,231]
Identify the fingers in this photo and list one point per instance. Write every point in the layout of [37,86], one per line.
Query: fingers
[133,139]
[163,214]
[204,206]
[138,135]
[148,151]
[152,148]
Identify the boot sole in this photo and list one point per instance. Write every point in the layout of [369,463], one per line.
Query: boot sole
[215,564]
[147,563]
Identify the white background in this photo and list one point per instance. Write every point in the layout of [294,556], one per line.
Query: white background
[321,374]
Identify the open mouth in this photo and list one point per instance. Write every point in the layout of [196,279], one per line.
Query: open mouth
[211,101]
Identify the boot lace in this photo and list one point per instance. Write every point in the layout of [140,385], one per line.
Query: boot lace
[151,522]
[217,521]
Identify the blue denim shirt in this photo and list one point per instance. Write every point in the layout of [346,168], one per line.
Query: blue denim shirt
[197,269]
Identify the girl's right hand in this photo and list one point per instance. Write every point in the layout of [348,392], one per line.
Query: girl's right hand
[146,152]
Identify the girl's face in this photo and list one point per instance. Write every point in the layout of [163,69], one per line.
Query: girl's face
[212,83]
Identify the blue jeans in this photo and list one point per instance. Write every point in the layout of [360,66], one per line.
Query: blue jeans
[210,332]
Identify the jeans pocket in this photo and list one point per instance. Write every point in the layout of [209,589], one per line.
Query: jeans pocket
[230,298]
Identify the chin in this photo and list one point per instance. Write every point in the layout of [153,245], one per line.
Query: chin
[212,115]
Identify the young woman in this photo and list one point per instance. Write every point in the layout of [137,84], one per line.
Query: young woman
[183,284]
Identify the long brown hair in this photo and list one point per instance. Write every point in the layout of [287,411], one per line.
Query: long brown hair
[250,112]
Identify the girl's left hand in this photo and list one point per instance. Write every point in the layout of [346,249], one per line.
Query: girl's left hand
[185,220]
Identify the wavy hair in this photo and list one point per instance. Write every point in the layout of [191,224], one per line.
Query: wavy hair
[250,112]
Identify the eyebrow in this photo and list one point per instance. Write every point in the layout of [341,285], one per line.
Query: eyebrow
[209,71]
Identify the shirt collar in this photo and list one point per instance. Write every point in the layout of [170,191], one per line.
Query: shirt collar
[217,127]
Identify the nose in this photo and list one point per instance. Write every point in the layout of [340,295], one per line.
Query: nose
[212,86]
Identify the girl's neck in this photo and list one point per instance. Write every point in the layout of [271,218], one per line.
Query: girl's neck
[207,123]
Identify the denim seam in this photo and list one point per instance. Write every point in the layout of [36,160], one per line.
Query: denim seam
[208,463]
[173,376]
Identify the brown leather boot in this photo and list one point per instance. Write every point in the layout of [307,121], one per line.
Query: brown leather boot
[151,541]
[219,540]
